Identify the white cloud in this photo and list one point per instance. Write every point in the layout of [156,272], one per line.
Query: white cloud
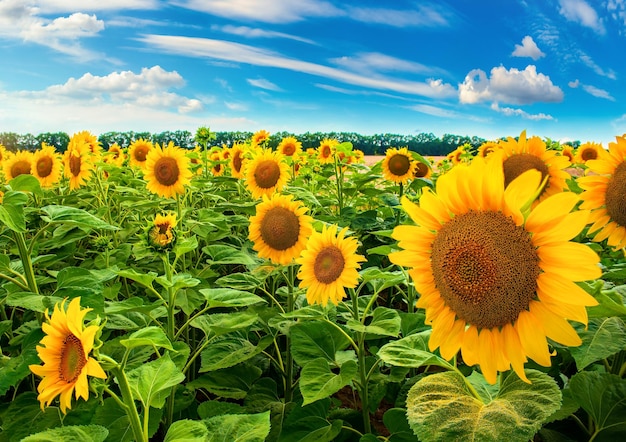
[509,111]
[375,61]
[528,48]
[238,107]
[434,111]
[591,90]
[236,52]
[509,86]
[588,61]
[57,6]
[421,16]
[263,84]
[579,11]
[245,31]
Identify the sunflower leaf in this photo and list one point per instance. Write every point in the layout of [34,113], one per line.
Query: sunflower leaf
[317,381]
[188,431]
[226,297]
[75,216]
[12,210]
[441,407]
[151,336]
[601,339]
[238,427]
[314,339]
[411,351]
[229,351]
[76,433]
[386,322]
[152,381]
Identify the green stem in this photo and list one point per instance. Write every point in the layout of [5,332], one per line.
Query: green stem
[363,381]
[29,273]
[18,283]
[171,334]
[400,193]
[131,409]
[288,355]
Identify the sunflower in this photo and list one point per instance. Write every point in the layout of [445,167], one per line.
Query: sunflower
[260,137]
[605,194]
[266,173]
[398,165]
[326,150]
[18,164]
[65,356]
[524,154]
[290,147]
[4,153]
[95,148]
[237,160]
[161,234]
[77,163]
[568,152]
[588,151]
[423,170]
[486,148]
[115,155]
[217,169]
[457,155]
[329,264]
[280,228]
[167,170]
[138,152]
[47,165]
[495,277]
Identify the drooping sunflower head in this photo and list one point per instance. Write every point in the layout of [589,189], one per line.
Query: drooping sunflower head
[260,138]
[77,164]
[496,277]
[588,151]
[64,352]
[115,155]
[423,169]
[523,154]
[161,233]
[280,228]
[138,152]
[217,166]
[326,150]
[47,165]
[18,164]
[167,170]
[398,165]
[486,148]
[458,155]
[95,147]
[605,195]
[237,160]
[568,152]
[266,173]
[290,147]
[328,265]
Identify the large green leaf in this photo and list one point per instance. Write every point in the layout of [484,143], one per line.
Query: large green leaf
[14,369]
[602,338]
[232,383]
[151,382]
[74,216]
[411,351]
[385,322]
[603,397]
[314,339]
[238,427]
[441,407]
[224,254]
[226,297]
[229,351]
[221,323]
[152,336]
[187,431]
[12,210]
[317,381]
[74,433]
[310,424]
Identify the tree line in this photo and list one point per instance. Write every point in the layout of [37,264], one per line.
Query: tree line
[423,143]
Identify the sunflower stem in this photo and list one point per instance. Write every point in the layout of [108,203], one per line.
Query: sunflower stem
[171,333]
[363,375]
[288,355]
[27,263]
[131,409]
[400,193]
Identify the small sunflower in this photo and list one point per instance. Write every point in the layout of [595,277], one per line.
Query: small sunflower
[237,160]
[588,151]
[138,152]
[531,153]
[86,137]
[18,164]
[326,150]
[260,137]
[266,173]
[496,278]
[47,165]
[329,264]
[605,194]
[4,153]
[115,155]
[77,163]
[217,168]
[290,147]
[398,165]
[486,148]
[568,152]
[161,234]
[457,155]
[167,170]
[423,169]
[65,356]
[280,228]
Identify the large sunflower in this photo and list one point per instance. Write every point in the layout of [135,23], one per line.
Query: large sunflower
[329,264]
[65,356]
[280,229]
[86,137]
[326,150]
[138,152]
[266,173]
[496,278]
[398,165]
[18,164]
[290,147]
[605,194]
[77,164]
[46,165]
[167,170]
[524,154]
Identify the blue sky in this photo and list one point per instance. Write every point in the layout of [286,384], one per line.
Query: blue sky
[488,68]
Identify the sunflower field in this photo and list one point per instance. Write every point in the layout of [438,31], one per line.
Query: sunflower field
[247,293]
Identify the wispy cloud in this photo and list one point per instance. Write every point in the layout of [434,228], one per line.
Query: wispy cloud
[580,11]
[509,112]
[229,51]
[588,61]
[591,90]
[421,16]
[245,31]
[374,62]
[528,48]
[263,84]
[59,6]
[434,110]
[509,86]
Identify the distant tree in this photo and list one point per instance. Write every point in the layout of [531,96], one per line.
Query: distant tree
[181,138]
[10,141]
[28,142]
[59,140]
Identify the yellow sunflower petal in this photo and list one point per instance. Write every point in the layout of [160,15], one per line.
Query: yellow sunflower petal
[574,261]
[533,338]
[549,211]
[556,328]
